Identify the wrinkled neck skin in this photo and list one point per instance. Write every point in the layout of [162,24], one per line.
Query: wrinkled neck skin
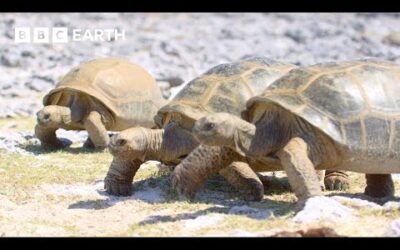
[176,143]
[264,138]
[276,128]
[154,146]
[66,115]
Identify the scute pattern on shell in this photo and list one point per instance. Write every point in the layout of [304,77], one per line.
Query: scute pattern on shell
[356,103]
[224,88]
[124,88]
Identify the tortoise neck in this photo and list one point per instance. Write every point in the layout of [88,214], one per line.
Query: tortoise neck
[155,144]
[271,133]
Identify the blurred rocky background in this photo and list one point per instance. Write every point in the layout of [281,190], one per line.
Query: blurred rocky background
[175,47]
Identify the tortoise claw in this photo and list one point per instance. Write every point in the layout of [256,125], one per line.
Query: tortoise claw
[337,181]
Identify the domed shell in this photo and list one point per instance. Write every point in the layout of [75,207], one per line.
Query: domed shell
[126,89]
[224,88]
[356,103]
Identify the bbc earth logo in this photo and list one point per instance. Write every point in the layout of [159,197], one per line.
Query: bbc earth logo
[62,35]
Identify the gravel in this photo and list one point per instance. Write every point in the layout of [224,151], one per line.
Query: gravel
[176,47]
[16,142]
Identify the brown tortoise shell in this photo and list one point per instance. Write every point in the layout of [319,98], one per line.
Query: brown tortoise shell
[223,88]
[126,89]
[356,103]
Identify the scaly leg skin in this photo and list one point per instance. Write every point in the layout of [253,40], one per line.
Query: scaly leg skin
[379,185]
[120,176]
[96,130]
[321,176]
[201,164]
[300,171]
[245,180]
[48,138]
[336,180]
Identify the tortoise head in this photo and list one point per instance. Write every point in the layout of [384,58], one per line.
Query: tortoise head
[131,143]
[53,116]
[216,129]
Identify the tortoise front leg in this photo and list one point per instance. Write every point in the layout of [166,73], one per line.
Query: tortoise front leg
[120,176]
[379,185]
[201,164]
[49,119]
[245,180]
[96,130]
[48,138]
[300,170]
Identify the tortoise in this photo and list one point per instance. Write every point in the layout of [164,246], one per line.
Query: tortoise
[97,96]
[338,115]
[223,88]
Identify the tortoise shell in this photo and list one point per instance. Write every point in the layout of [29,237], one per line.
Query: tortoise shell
[127,90]
[223,88]
[356,103]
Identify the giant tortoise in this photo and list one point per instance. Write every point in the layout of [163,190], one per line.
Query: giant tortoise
[97,96]
[224,88]
[338,116]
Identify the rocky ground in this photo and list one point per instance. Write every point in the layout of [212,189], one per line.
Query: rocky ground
[61,193]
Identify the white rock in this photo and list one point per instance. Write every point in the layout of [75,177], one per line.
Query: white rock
[203,221]
[251,212]
[391,205]
[358,202]
[393,229]
[323,208]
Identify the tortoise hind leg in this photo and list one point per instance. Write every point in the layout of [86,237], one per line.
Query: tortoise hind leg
[245,180]
[96,130]
[336,180]
[379,185]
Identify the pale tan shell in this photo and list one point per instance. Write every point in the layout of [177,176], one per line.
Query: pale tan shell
[126,89]
[356,103]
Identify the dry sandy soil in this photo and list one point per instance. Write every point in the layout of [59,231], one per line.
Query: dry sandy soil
[61,194]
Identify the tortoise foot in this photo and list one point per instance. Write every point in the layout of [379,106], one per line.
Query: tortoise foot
[183,188]
[88,144]
[337,180]
[379,185]
[254,191]
[116,187]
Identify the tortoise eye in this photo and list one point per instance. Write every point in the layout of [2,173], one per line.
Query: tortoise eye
[209,126]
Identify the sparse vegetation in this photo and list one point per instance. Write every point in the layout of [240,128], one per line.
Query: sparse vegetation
[61,193]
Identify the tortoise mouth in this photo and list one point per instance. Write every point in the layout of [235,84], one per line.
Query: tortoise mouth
[44,119]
